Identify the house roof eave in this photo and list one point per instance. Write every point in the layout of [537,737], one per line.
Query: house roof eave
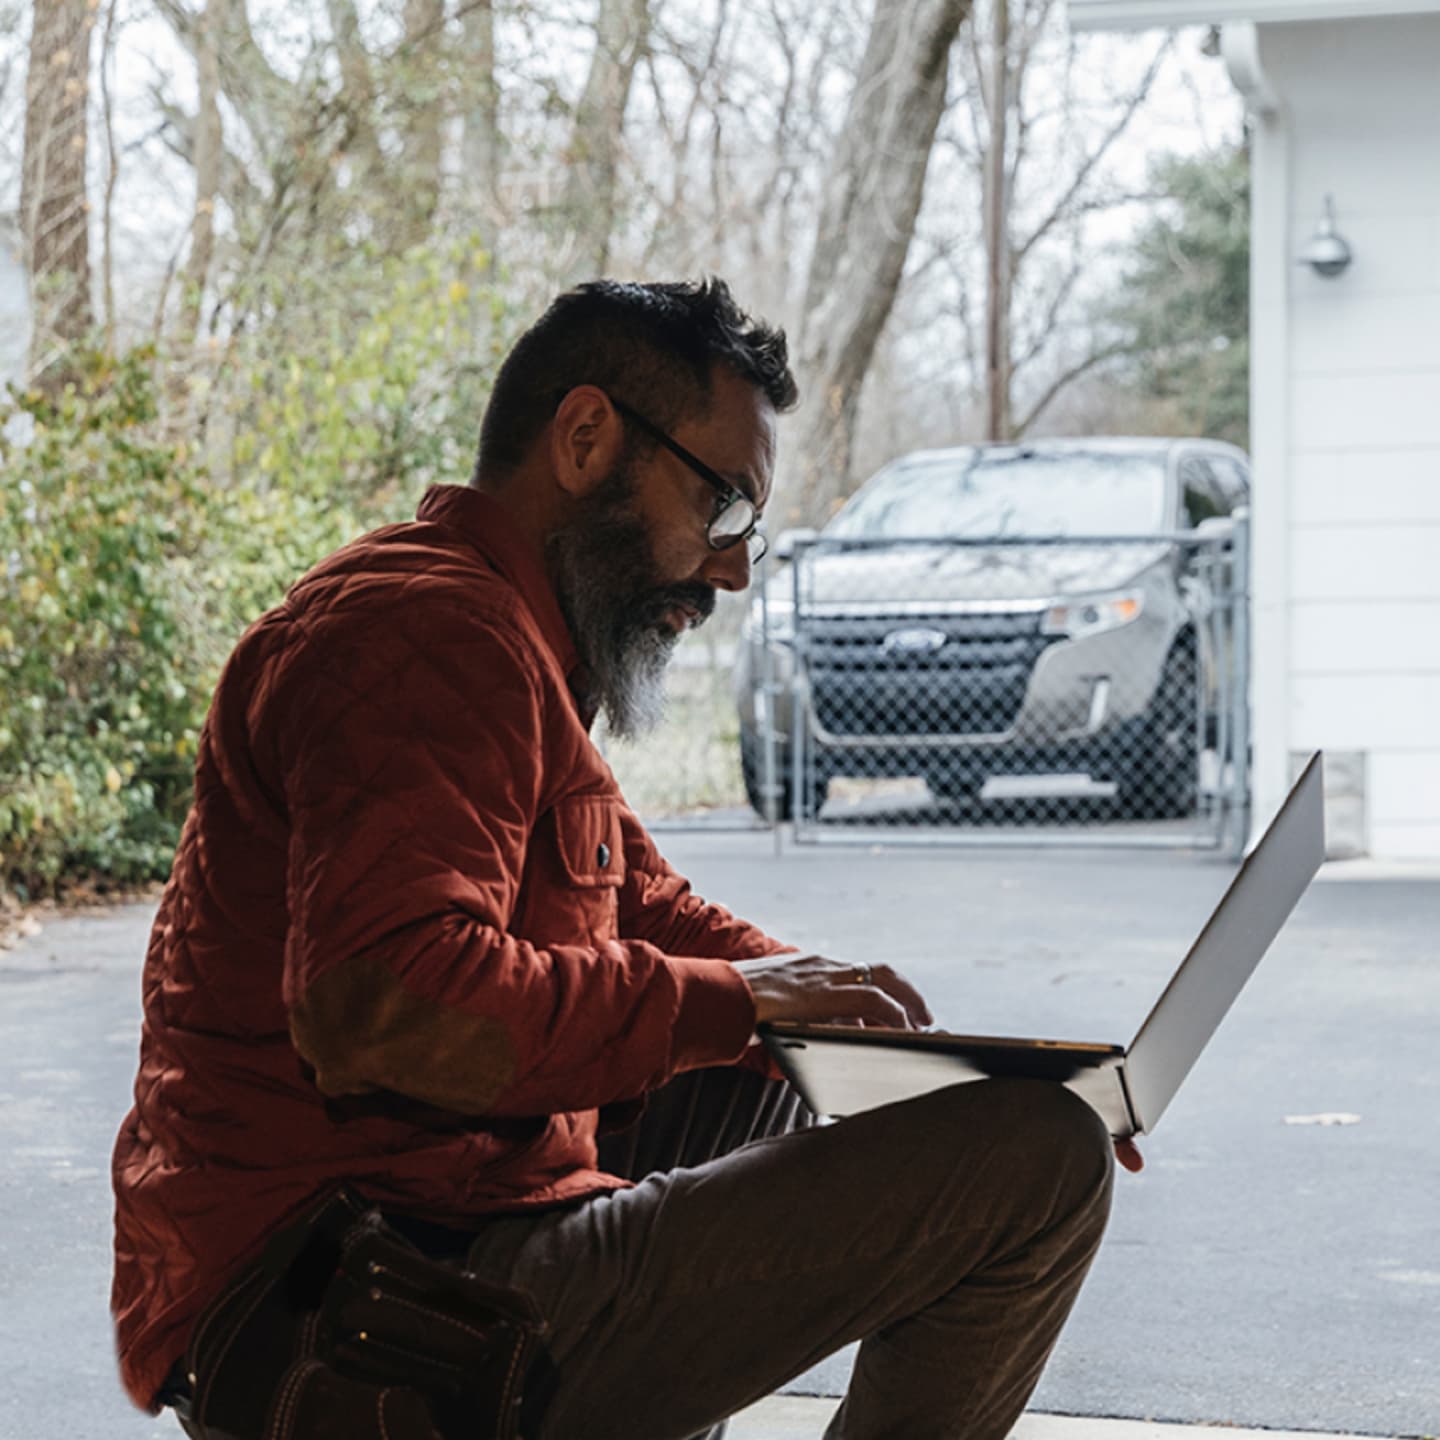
[1168,14]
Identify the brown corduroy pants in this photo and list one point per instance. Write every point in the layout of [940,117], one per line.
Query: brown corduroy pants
[948,1234]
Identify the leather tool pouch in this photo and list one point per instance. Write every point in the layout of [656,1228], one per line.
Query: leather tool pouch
[346,1331]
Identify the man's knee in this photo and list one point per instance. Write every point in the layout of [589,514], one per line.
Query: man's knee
[1062,1148]
[1054,1117]
[1016,1173]
[1045,1152]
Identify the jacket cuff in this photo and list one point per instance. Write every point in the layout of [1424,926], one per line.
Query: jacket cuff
[716,1015]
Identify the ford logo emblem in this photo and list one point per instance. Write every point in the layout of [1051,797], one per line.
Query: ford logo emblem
[913,642]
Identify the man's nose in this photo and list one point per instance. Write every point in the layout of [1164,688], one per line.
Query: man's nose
[728,569]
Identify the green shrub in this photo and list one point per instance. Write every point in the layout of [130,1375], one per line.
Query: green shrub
[102,637]
[363,386]
[130,561]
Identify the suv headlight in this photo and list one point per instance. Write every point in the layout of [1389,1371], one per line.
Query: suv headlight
[1077,618]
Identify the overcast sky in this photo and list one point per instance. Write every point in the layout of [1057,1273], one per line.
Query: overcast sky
[1193,107]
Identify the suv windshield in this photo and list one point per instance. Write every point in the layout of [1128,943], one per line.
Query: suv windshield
[1011,492]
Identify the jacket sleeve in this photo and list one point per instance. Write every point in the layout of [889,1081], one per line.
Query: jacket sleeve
[657,905]
[413,758]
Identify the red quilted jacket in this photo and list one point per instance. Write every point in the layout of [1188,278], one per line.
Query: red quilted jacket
[413,940]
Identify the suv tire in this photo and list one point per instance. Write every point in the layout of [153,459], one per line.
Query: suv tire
[752,770]
[1161,781]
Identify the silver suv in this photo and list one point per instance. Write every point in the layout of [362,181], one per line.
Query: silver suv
[951,630]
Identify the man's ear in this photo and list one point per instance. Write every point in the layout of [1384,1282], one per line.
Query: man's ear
[586,438]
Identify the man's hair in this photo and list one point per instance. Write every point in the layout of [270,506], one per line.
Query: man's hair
[654,346]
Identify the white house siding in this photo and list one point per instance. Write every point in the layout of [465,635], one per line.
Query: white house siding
[1360,105]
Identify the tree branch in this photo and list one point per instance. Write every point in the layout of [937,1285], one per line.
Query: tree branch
[262,97]
[1067,377]
[177,133]
[1082,176]
[1046,328]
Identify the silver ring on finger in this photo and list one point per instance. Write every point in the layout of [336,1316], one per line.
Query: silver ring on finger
[862,976]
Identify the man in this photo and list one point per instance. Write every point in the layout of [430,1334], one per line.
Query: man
[417,954]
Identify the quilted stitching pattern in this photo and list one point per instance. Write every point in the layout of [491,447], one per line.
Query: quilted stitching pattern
[394,777]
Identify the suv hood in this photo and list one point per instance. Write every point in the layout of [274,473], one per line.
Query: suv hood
[937,574]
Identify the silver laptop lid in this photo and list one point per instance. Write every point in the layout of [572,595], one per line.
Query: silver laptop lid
[1222,959]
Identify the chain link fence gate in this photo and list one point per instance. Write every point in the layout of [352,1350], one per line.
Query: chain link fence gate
[686,775]
[1013,690]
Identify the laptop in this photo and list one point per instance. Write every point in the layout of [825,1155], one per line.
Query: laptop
[840,1069]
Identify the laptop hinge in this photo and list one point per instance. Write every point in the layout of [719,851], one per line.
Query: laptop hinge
[1135,1121]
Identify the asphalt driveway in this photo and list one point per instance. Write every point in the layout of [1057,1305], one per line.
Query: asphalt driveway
[1267,1269]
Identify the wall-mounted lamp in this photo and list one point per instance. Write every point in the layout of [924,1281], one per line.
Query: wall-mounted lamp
[1326,253]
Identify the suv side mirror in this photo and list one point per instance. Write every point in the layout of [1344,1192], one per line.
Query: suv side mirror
[787,540]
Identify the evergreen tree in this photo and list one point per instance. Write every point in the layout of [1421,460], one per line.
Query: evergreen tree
[1185,302]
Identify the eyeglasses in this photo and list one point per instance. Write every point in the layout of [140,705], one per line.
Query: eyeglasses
[734,518]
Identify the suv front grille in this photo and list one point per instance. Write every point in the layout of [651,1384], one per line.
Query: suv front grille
[891,675]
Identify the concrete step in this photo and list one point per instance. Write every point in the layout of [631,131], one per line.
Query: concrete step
[801,1417]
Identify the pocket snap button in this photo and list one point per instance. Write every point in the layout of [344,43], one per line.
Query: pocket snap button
[602,855]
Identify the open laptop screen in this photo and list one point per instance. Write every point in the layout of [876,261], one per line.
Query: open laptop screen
[1238,933]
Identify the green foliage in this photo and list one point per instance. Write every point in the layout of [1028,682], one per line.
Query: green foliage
[131,560]
[365,394]
[355,387]
[1185,310]
[101,628]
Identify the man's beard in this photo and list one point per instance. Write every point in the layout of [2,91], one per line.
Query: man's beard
[603,569]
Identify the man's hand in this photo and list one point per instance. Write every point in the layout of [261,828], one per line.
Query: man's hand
[1127,1152]
[810,987]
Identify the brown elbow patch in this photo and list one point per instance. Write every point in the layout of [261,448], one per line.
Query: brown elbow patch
[362,1031]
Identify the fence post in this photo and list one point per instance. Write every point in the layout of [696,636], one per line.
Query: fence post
[765,710]
[799,696]
[1240,700]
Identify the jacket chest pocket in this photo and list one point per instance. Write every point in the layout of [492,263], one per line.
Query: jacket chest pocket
[577,901]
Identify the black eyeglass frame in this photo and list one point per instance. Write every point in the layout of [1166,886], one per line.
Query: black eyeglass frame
[727,495]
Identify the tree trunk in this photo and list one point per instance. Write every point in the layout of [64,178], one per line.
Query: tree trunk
[209,153]
[54,214]
[480,147]
[112,177]
[871,197]
[588,202]
[423,103]
[264,99]
[357,91]
[997,231]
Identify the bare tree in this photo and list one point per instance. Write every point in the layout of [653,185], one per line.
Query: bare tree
[357,138]
[420,104]
[209,146]
[997,248]
[589,201]
[482,143]
[263,97]
[112,176]
[1036,197]
[258,167]
[54,212]
[672,198]
[741,103]
[872,194]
